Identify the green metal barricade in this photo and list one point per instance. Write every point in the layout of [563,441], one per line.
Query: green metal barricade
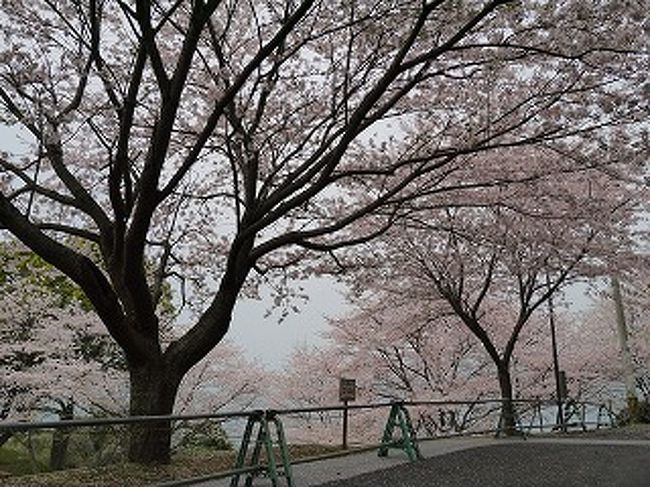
[263,421]
[399,418]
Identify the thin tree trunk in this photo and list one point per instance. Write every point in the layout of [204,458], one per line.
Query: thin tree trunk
[153,391]
[61,438]
[508,414]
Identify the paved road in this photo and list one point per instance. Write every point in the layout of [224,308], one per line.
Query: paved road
[485,462]
[520,465]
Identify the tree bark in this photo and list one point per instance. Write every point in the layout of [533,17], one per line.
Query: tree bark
[153,392]
[155,376]
[61,438]
[508,414]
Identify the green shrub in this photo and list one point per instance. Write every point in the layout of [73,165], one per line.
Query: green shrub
[26,453]
[204,434]
[642,415]
[644,411]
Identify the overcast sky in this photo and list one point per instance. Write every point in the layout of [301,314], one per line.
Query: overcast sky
[271,341]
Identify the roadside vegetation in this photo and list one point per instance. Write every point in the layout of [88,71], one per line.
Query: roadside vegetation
[16,467]
[195,462]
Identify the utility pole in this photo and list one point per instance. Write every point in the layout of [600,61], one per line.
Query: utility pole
[560,391]
[628,365]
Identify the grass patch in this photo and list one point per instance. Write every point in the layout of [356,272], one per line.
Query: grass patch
[15,457]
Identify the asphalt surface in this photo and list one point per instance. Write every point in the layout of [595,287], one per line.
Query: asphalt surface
[485,462]
[520,464]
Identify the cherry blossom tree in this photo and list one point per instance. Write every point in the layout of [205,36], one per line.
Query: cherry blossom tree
[224,379]
[311,380]
[215,138]
[591,353]
[500,254]
[83,375]
[41,307]
[57,359]
[402,347]
[413,349]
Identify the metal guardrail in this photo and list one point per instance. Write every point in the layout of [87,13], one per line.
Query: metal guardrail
[20,426]
[534,408]
[16,426]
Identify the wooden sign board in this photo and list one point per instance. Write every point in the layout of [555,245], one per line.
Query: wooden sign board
[347,390]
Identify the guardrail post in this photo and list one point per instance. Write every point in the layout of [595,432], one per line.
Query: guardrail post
[399,416]
[607,412]
[345,425]
[536,414]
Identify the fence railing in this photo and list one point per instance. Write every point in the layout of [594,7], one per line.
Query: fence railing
[269,442]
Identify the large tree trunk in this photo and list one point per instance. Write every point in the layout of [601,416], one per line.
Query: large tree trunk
[153,392]
[508,421]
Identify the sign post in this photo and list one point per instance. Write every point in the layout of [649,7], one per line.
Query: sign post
[347,392]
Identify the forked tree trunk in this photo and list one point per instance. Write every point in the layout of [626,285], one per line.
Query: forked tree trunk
[508,414]
[153,391]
